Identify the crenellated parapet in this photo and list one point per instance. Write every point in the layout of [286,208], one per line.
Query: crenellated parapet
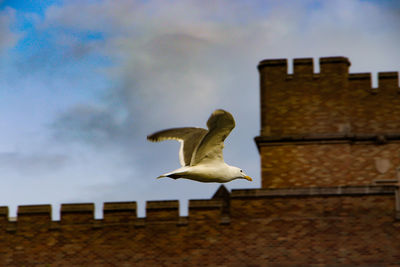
[330,68]
[331,101]
[114,213]
[303,69]
[355,219]
[243,203]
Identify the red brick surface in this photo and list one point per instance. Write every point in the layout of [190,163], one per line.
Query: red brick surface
[332,101]
[302,112]
[308,230]
[307,165]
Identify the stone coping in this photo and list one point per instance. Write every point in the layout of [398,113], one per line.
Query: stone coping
[315,191]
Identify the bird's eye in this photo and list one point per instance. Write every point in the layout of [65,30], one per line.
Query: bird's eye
[241,170]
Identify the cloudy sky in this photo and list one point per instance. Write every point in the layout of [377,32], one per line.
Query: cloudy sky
[82,83]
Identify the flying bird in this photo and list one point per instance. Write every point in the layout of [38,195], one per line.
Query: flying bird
[201,150]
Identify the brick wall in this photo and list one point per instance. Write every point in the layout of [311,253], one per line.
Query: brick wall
[304,165]
[335,226]
[332,101]
[329,128]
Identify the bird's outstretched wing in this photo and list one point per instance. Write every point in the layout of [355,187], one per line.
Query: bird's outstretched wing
[220,124]
[189,137]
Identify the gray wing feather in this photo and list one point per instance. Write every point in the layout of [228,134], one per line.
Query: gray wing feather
[189,137]
[220,124]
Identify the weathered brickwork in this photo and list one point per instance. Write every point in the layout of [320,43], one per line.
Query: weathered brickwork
[329,128]
[374,110]
[332,101]
[304,165]
[339,226]
[332,231]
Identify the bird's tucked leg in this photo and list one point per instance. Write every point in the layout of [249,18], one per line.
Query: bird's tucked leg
[174,176]
[179,173]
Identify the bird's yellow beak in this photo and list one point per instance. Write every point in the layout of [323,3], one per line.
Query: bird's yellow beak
[248,178]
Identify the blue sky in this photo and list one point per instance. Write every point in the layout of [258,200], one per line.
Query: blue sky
[83,82]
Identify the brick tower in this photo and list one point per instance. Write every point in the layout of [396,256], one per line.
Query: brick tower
[327,129]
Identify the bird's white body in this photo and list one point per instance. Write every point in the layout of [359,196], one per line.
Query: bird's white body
[201,150]
[206,173]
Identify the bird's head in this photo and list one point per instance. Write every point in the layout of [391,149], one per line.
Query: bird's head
[239,174]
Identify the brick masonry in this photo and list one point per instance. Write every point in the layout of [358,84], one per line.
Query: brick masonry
[304,165]
[336,226]
[332,101]
[329,128]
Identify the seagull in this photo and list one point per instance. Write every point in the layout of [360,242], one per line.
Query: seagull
[200,153]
